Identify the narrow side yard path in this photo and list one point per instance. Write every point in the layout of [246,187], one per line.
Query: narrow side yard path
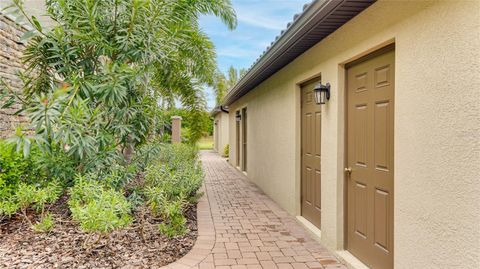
[240,227]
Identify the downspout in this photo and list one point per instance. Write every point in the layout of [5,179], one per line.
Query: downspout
[222,108]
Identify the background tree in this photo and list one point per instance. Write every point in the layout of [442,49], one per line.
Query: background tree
[194,125]
[223,83]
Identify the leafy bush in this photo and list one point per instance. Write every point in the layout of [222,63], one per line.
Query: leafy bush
[97,201]
[56,165]
[171,181]
[117,175]
[97,208]
[93,81]
[146,154]
[177,173]
[226,150]
[8,207]
[45,224]
[36,169]
[175,221]
[14,169]
[30,196]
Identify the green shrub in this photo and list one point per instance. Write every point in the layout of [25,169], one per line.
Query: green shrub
[175,222]
[30,196]
[118,175]
[146,154]
[14,169]
[45,224]
[176,183]
[171,181]
[97,208]
[8,207]
[226,150]
[156,199]
[56,165]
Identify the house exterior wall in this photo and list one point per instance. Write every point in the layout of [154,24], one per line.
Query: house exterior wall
[437,128]
[222,128]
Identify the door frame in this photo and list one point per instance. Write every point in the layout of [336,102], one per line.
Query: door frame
[216,136]
[244,138]
[365,56]
[237,139]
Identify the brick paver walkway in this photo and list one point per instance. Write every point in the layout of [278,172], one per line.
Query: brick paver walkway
[240,227]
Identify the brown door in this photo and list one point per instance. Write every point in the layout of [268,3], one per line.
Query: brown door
[244,139]
[216,129]
[237,132]
[311,148]
[370,86]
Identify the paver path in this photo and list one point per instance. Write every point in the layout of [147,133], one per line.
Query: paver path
[246,229]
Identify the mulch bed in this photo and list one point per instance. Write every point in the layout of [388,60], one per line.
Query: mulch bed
[20,247]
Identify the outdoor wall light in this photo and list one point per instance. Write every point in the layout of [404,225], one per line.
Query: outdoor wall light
[322,93]
[238,117]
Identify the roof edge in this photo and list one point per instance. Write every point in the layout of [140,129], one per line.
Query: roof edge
[319,19]
[274,51]
[218,109]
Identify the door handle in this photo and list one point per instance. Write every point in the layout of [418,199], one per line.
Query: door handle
[348,170]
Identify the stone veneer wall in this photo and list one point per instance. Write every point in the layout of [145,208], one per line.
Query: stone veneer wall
[11,49]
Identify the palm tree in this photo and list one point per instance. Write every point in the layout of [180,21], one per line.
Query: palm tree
[225,83]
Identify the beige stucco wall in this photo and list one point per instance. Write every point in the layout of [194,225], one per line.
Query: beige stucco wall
[437,128]
[221,118]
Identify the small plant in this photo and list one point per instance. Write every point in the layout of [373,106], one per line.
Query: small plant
[8,207]
[174,222]
[98,209]
[14,169]
[156,199]
[172,182]
[45,224]
[28,195]
[226,151]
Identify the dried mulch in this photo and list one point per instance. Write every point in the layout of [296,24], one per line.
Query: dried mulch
[20,247]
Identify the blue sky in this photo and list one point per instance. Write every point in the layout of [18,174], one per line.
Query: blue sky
[259,21]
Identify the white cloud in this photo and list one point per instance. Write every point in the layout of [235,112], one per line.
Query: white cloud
[264,22]
[272,14]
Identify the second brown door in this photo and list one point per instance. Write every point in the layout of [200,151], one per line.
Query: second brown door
[311,148]
[244,139]
[370,93]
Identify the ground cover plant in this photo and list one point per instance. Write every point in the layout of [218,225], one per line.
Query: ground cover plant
[149,204]
[89,175]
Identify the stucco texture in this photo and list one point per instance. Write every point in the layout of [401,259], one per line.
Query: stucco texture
[437,128]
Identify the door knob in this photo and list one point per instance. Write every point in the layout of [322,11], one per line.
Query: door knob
[348,170]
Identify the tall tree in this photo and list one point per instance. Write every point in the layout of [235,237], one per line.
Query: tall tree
[223,83]
[93,82]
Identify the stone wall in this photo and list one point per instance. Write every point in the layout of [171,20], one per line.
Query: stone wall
[10,63]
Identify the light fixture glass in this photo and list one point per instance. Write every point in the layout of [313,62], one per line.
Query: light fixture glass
[322,93]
